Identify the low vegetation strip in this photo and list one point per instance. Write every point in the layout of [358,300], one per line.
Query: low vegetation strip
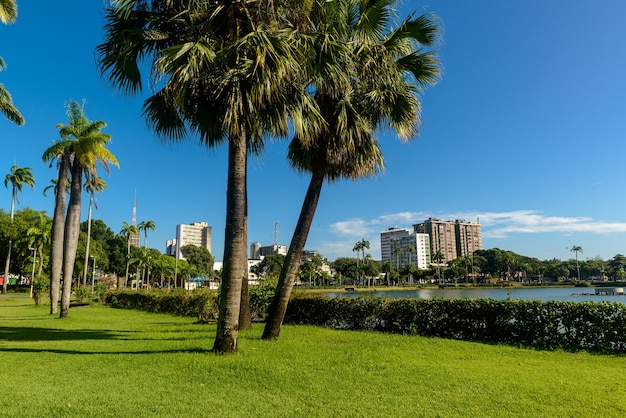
[591,326]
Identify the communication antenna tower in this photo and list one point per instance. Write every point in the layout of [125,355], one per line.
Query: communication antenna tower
[276,233]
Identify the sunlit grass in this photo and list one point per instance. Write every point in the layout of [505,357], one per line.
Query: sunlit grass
[113,363]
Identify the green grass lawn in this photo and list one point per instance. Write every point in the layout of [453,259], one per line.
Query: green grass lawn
[103,362]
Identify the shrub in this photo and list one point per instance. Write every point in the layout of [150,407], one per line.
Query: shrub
[41,288]
[567,325]
[82,293]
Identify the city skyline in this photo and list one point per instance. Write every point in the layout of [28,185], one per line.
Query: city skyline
[524,131]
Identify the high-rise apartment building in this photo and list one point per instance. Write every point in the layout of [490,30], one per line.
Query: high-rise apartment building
[198,234]
[469,238]
[385,238]
[451,239]
[412,248]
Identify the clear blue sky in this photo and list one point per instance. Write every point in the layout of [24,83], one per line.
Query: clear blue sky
[526,131]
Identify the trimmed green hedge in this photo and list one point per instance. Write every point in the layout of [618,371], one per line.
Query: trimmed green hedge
[201,304]
[567,325]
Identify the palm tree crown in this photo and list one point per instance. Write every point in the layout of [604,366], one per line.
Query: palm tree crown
[8,14]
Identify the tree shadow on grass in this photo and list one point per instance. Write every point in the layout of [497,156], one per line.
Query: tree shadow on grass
[51,334]
[60,351]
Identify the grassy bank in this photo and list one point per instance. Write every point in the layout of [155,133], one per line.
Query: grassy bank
[106,362]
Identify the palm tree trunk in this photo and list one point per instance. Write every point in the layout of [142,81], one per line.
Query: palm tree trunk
[57,237]
[72,229]
[278,307]
[5,283]
[127,263]
[86,266]
[245,316]
[234,248]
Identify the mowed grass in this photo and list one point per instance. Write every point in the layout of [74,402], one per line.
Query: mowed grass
[104,362]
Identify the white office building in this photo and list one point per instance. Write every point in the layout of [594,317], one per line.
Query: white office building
[198,234]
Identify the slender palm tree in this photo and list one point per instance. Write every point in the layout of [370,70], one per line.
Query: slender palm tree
[397,251]
[145,226]
[87,149]
[226,70]
[358,246]
[17,177]
[39,237]
[364,76]
[92,185]
[128,231]
[410,250]
[577,249]
[60,152]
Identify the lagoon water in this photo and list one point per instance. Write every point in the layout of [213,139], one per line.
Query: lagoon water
[568,294]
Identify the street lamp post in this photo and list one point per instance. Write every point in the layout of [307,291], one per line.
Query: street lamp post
[93,273]
[32,276]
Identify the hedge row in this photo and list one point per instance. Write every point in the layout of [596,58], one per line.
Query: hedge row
[201,304]
[588,326]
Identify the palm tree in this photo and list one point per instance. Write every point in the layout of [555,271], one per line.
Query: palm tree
[358,246]
[17,177]
[60,151]
[577,249]
[128,231]
[92,185]
[39,236]
[363,76]
[226,70]
[438,257]
[397,251]
[410,249]
[145,226]
[87,149]
[8,14]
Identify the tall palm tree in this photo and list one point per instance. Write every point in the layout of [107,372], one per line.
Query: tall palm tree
[358,246]
[397,251]
[226,70]
[145,226]
[92,185]
[577,249]
[8,15]
[39,236]
[17,177]
[410,249]
[60,152]
[364,76]
[87,149]
[128,231]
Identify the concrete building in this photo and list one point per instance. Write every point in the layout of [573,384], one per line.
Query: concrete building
[198,233]
[257,251]
[469,238]
[412,248]
[385,238]
[453,239]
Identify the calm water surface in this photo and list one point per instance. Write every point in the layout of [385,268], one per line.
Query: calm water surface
[543,294]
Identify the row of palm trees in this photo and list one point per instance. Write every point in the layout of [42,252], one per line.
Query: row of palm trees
[330,72]
[81,148]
